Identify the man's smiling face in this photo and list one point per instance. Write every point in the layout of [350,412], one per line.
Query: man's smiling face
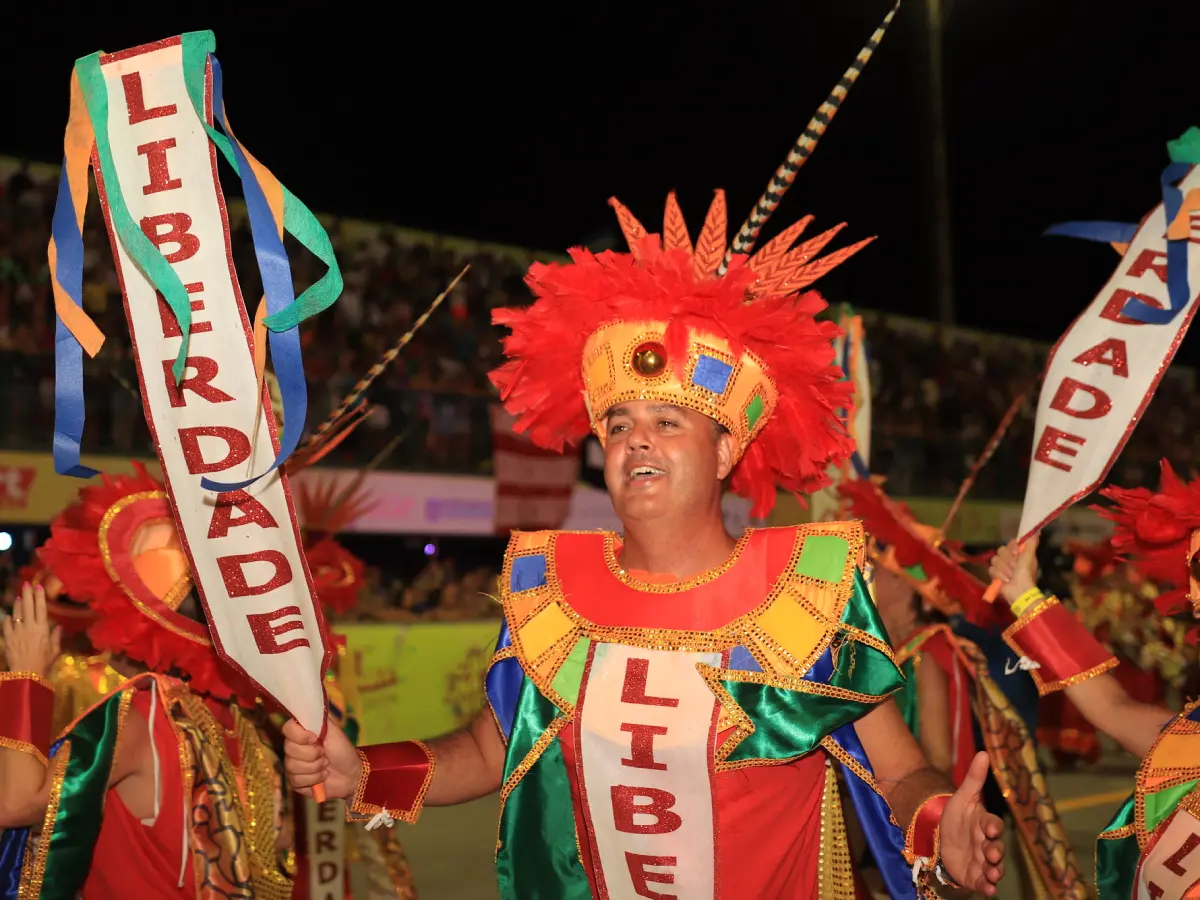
[661,459]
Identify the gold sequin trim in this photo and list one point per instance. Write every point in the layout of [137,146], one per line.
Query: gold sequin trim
[1147,771]
[33,871]
[24,747]
[359,809]
[1049,687]
[835,873]
[1117,834]
[834,749]
[674,587]
[27,676]
[174,596]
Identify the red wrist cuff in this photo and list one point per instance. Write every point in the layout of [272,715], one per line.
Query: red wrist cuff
[1065,651]
[394,780]
[922,839]
[26,713]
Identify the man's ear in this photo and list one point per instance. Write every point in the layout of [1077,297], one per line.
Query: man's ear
[726,454]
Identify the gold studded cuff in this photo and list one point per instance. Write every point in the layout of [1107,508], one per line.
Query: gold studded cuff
[394,780]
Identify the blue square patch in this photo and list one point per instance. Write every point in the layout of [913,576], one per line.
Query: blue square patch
[528,572]
[712,374]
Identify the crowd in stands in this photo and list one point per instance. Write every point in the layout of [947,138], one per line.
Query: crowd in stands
[938,394]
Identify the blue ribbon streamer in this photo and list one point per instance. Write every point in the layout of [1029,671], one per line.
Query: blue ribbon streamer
[69,411]
[276,274]
[874,815]
[1178,291]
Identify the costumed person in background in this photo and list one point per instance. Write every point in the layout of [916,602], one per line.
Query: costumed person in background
[950,700]
[1147,849]
[136,799]
[666,704]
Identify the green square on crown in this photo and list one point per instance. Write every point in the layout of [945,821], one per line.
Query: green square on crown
[754,411]
[823,556]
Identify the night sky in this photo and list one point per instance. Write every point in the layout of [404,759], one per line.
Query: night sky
[514,123]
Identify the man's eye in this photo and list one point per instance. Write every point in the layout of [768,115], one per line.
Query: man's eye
[615,428]
[666,422]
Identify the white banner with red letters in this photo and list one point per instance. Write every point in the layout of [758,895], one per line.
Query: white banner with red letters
[533,485]
[1103,372]
[244,546]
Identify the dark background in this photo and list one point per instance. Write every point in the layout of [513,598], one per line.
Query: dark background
[515,122]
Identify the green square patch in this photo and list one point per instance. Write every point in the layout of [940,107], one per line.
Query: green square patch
[917,572]
[754,410]
[823,557]
[570,673]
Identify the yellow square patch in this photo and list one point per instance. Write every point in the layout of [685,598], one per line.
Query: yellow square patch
[540,632]
[792,627]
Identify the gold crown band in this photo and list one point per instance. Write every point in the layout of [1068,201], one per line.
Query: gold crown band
[628,361]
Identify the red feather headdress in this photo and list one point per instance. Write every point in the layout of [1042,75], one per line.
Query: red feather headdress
[1158,533]
[707,326]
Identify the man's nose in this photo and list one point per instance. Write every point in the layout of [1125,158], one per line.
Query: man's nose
[639,437]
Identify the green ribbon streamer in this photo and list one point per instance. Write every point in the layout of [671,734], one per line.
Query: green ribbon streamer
[1186,147]
[538,858]
[1117,860]
[298,219]
[93,743]
[140,248]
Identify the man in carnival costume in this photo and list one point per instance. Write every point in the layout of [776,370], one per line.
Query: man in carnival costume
[666,704]
[1147,851]
[950,700]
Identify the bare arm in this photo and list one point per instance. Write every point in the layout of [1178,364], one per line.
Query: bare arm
[470,763]
[933,715]
[1133,725]
[24,789]
[902,773]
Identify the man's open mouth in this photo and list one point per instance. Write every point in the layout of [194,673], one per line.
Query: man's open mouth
[639,473]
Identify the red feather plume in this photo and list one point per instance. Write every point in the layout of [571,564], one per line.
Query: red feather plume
[1154,531]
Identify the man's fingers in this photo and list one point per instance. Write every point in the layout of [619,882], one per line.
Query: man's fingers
[993,852]
[18,612]
[304,773]
[305,753]
[294,731]
[993,827]
[39,605]
[976,775]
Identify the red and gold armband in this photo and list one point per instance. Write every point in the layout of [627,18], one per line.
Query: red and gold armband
[394,780]
[1054,646]
[26,713]
[922,839]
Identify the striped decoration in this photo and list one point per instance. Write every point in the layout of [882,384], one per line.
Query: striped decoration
[743,242]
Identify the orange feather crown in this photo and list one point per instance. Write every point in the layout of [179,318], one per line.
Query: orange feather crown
[657,323]
[1159,533]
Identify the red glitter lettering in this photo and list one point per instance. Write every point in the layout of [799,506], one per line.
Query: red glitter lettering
[266,633]
[169,326]
[1069,388]
[252,512]
[634,688]
[641,746]
[640,878]
[1190,843]
[624,809]
[237,448]
[1111,353]
[1051,441]
[1155,891]
[177,225]
[1116,303]
[135,101]
[156,160]
[206,370]
[1150,261]
[233,573]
